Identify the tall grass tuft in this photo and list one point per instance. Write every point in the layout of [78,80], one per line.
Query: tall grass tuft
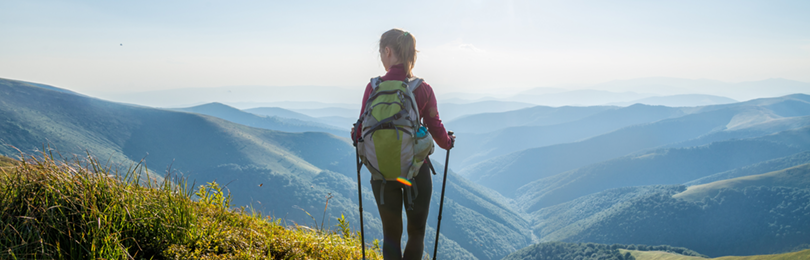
[53,208]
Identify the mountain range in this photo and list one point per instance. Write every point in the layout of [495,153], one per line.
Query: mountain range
[506,173]
[719,179]
[291,176]
[279,123]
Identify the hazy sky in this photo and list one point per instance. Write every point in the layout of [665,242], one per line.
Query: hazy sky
[484,46]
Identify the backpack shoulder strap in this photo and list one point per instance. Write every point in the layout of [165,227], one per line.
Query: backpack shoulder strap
[375,82]
[414,83]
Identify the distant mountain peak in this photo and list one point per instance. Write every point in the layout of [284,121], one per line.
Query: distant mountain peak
[43,86]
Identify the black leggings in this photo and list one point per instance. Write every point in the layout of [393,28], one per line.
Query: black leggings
[391,215]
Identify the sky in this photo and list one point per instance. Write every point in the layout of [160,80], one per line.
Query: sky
[464,46]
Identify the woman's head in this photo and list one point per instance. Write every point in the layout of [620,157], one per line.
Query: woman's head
[401,46]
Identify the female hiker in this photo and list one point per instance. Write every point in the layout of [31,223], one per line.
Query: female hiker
[389,136]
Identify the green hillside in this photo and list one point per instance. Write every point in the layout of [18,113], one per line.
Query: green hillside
[575,215]
[284,175]
[201,148]
[588,251]
[663,166]
[658,255]
[749,221]
[562,251]
[81,210]
[794,177]
[760,214]
[754,169]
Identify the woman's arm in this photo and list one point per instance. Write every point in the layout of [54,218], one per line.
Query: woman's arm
[426,101]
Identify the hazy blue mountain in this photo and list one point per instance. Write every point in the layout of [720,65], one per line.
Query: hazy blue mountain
[330,111]
[335,121]
[507,172]
[282,174]
[754,169]
[581,97]
[543,90]
[238,94]
[754,128]
[279,112]
[504,173]
[738,91]
[449,111]
[464,97]
[684,100]
[338,121]
[479,147]
[663,166]
[290,105]
[537,116]
[49,87]
[267,122]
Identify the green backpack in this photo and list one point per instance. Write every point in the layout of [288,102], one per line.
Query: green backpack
[394,143]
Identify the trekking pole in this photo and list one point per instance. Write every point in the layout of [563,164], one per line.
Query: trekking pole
[359,192]
[441,202]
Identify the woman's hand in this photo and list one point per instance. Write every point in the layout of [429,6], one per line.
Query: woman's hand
[452,139]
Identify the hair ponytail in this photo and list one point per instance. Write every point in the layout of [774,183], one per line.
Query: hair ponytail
[403,45]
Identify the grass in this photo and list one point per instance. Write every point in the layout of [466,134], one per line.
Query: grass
[6,162]
[658,255]
[80,210]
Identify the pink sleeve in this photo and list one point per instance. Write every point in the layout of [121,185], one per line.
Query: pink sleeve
[365,98]
[430,115]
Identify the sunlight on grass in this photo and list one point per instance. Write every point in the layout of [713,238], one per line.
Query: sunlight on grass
[81,210]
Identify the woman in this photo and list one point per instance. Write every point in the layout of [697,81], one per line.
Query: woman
[398,56]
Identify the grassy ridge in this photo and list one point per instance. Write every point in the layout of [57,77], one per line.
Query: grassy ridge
[658,255]
[796,177]
[80,210]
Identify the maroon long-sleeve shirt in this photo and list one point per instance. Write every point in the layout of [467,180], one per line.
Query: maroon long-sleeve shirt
[425,100]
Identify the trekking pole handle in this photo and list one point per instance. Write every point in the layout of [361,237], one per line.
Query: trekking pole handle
[453,141]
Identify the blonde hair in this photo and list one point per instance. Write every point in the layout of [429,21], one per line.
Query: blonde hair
[403,45]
